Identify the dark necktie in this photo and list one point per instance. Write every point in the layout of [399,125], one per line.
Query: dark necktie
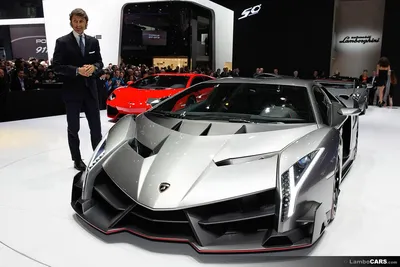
[81,45]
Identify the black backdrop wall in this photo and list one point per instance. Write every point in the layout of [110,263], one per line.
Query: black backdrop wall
[391,41]
[287,35]
[390,38]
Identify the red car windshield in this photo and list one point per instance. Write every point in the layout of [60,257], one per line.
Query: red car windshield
[162,82]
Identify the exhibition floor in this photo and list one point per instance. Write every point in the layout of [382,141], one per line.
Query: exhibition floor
[38,226]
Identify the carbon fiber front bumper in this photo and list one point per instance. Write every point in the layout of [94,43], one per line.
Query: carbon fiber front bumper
[226,227]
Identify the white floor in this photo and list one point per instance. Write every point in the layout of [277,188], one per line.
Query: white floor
[38,226]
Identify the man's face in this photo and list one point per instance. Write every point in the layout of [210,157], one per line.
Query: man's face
[21,74]
[78,24]
[1,73]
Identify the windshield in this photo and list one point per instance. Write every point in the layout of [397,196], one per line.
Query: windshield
[162,82]
[240,102]
[337,85]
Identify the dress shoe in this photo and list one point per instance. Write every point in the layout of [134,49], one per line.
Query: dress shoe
[79,165]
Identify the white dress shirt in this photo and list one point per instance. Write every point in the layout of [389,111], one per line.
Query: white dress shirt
[77,37]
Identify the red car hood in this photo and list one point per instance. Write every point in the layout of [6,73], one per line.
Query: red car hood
[128,97]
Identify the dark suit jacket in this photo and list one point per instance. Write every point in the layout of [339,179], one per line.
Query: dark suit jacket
[67,58]
[16,84]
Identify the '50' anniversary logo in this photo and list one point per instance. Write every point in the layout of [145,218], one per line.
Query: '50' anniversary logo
[251,11]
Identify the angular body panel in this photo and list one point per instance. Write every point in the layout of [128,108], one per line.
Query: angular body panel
[242,179]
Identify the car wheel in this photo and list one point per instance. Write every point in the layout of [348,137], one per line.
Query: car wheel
[336,191]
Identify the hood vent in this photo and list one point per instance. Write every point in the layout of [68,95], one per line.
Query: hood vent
[234,161]
[177,126]
[159,146]
[141,149]
[242,130]
[206,131]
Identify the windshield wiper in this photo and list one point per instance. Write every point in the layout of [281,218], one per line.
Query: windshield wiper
[217,117]
[240,120]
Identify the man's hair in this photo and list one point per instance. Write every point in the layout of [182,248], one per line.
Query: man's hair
[79,12]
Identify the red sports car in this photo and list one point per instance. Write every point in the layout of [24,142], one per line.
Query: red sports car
[147,92]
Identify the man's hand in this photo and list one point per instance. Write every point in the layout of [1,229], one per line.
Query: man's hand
[83,71]
[89,69]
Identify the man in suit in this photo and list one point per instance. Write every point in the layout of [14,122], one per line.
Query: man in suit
[77,61]
[20,82]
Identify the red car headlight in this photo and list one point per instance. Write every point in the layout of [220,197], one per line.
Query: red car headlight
[112,96]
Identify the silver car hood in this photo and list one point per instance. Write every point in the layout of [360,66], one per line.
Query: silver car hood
[194,165]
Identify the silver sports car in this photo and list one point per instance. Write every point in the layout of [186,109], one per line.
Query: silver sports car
[347,91]
[253,165]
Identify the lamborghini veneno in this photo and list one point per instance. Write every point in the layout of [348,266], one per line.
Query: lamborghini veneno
[253,167]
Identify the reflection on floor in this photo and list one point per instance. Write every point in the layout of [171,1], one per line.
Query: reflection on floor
[38,226]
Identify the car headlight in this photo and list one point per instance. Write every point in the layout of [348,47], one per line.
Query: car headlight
[112,96]
[293,179]
[98,153]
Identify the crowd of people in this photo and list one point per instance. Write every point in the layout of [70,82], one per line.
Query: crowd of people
[23,75]
[31,74]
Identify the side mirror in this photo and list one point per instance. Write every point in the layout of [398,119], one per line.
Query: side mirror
[129,83]
[155,101]
[349,111]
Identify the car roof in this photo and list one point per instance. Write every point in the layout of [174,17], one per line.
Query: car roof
[333,81]
[274,81]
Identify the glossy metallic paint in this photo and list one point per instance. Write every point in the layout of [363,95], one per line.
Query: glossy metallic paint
[187,162]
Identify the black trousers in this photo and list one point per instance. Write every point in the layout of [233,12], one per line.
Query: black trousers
[3,106]
[90,105]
